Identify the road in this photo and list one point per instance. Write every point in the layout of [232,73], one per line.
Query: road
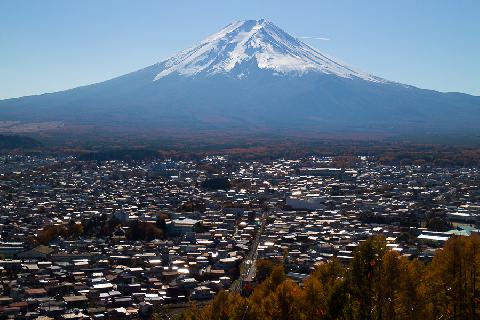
[247,268]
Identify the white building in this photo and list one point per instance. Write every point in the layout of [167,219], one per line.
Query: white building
[182,226]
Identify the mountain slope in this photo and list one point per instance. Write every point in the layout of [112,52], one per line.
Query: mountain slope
[237,48]
[252,75]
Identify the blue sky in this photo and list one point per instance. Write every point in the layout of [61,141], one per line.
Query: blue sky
[52,45]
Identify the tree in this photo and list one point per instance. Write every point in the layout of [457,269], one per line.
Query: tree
[412,291]
[364,273]
[51,232]
[284,302]
[379,284]
[216,184]
[264,268]
[314,299]
[387,285]
[225,306]
[75,229]
[453,278]
[338,301]
[147,231]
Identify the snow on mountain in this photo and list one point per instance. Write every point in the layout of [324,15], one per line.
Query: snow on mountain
[241,45]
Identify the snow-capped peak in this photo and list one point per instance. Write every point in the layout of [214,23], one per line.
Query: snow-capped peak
[241,45]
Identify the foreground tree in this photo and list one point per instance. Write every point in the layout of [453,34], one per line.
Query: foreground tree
[378,284]
[363,277]
[453,279]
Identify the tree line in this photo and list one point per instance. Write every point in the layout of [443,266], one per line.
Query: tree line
[378,284]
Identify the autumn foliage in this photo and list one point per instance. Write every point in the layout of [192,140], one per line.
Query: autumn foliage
[70,230]
[378,284]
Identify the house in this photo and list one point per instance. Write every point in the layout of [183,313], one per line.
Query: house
[80,302]
[182,226]
[202,293]
[39,252]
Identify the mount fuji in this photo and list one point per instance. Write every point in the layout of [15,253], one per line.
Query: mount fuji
[249,76]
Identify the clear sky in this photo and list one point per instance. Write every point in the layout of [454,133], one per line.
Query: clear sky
[52,45]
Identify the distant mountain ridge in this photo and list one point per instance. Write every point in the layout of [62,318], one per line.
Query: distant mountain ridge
[9,142]
[252,75]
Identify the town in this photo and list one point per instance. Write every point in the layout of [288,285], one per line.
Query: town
[124,239]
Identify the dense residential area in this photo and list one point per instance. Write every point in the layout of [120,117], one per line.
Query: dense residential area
[136,239]
[294,162]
